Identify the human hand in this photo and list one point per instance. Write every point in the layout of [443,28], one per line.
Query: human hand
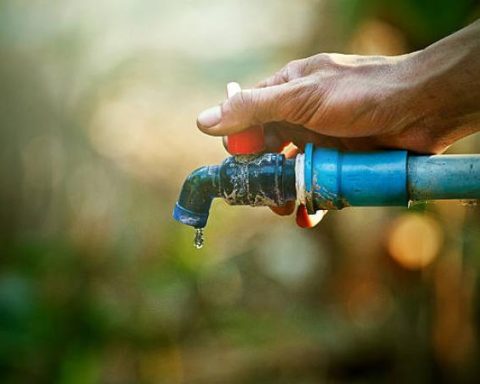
[423,101]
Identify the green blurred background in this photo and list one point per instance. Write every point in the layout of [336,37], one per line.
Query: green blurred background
[98,101]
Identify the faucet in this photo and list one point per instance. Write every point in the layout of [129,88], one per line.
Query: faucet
[264,180]
[328,179]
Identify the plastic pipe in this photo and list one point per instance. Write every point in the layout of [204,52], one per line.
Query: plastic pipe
[334,179]
[444,177]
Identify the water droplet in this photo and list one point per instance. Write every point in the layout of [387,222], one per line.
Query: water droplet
[199,240]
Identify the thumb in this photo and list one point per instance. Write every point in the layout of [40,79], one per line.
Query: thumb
[244,109]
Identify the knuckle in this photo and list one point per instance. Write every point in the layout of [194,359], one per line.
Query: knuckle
[325,58]
[239,101]
[245,98]
[294,69]
[296,63]
[281,76]
[240,107]
[329,62]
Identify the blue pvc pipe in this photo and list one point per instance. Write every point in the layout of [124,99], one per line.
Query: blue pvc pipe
[334,180]
[444,177]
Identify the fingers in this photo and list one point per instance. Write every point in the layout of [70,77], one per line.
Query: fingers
[304,220]
[246,108]
[293,70]
[278,135]
[274,142]
[265,103]
[284,210]
[290,151]
[278,78]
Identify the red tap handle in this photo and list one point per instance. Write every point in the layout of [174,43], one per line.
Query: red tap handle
[249,141]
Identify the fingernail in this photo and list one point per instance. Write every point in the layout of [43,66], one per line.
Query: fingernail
[210,117]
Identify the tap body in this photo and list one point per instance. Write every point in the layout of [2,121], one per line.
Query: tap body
[323,178]
[255,180]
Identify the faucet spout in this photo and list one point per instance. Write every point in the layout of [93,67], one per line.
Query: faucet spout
[198,191]
[255,180]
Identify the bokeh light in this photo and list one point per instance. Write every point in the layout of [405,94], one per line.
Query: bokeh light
[415,241]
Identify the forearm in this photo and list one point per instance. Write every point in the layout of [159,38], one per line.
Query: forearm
[447,85]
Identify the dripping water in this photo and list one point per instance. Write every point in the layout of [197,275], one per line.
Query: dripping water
[199,239]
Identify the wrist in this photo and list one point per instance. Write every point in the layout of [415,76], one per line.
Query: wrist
[444,88]
[430,101]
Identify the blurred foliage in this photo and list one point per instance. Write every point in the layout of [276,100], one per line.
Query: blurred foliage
[98,284]
[423,22]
